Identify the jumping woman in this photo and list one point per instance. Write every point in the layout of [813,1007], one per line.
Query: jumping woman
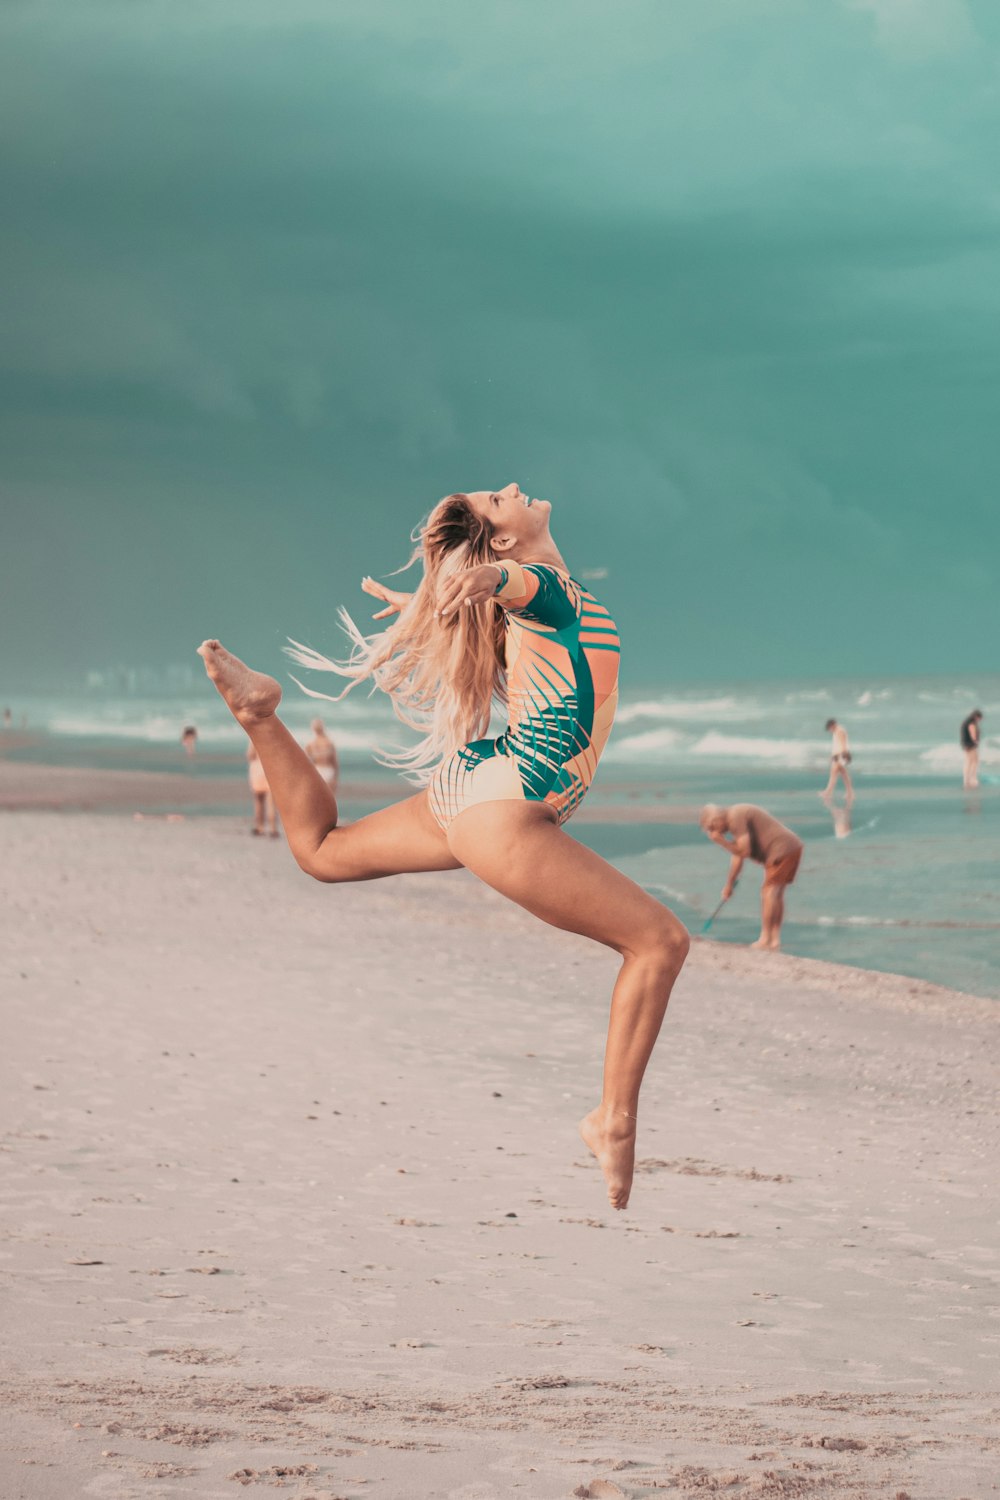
[496,617]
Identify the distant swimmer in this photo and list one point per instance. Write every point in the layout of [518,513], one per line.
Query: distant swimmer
[840,759]
[263,802]
[748,832]
[323,753]
[189,738]
[970,735]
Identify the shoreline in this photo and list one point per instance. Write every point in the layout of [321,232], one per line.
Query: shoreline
[28,786]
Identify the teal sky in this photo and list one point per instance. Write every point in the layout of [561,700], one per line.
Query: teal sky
[717,277]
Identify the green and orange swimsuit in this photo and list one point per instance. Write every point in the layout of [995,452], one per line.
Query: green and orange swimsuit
[562,654]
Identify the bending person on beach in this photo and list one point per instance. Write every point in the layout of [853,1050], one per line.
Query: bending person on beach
[748,832]
[496,618]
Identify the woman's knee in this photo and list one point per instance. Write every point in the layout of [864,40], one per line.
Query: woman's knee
[666,940]
[321,861]
[311,866]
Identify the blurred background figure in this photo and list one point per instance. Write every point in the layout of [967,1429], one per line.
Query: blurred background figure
[323,753]
[264,810]
[748,832]
[840,759]
[189,738]
[7,718]
[841,820]
[970,736]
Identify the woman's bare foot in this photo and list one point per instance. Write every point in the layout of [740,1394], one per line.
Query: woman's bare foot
[611,1138]
[760,943]
[250,695]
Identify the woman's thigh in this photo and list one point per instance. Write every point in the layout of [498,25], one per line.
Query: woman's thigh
[397,840]
[519,850]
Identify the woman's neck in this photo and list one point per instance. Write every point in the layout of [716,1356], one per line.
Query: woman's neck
[545,553]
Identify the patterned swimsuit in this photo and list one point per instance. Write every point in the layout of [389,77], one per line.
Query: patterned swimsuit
[562,656]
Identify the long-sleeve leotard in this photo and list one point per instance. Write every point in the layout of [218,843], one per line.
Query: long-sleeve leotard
[562,654]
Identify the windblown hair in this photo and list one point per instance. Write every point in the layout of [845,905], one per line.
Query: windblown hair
[442,675]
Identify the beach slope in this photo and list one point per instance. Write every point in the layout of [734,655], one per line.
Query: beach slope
[293,1199]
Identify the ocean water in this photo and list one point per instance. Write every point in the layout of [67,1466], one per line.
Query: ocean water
[910,883]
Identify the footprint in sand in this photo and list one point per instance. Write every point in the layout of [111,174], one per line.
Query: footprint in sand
[193,1356]
[275,1472]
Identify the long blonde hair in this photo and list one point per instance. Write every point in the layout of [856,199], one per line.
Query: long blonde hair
[442,675]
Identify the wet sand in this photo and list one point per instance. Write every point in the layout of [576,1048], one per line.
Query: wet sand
[293,1199]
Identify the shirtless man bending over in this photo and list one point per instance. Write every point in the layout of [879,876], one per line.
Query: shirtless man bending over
[748,832]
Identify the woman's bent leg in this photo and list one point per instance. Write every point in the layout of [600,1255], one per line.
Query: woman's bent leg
[395,840]
[518,850]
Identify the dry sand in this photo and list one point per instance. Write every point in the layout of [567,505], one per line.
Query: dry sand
[292,1200]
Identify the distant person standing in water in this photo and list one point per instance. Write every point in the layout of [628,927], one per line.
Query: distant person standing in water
[840,759]
[7,718]
[970,736]
[189,738]
[263,802]
[323,753]
[748,832]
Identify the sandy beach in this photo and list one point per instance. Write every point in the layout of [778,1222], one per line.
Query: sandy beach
[293,1199]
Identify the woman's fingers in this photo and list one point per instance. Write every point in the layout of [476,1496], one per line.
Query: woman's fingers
[474,586]
[450,595]
[392,598]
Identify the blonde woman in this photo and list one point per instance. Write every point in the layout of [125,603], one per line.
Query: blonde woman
[496,618]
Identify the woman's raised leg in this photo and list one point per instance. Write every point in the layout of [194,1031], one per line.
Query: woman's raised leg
[394,841]
[518,849]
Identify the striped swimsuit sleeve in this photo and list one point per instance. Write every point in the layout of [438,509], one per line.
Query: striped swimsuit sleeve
[539,593]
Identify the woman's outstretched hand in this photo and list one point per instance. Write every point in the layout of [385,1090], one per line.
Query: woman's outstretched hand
[390,597]
[474,586]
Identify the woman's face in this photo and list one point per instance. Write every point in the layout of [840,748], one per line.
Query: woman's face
[515,516]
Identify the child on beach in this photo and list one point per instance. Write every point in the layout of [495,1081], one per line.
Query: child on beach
[263,802]
[496,618]
[323,753]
